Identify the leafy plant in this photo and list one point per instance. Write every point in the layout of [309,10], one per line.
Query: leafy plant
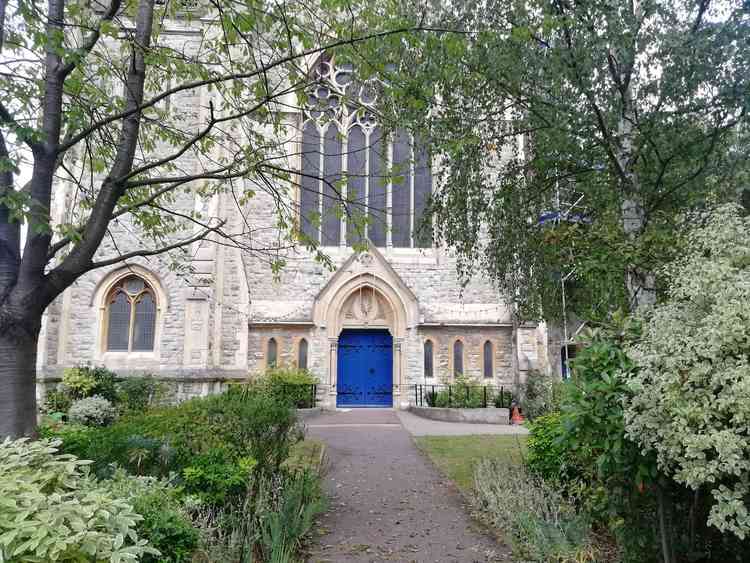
[85,381]
[547,456]
[289,514]
[165,523]
[540,394]
[79,381]
[244,423]
[503,398]
[92,411]
[617,477]
[464,392]
[295,386]
[57,400]
[540,523]
[690,403]
[216,477]
[139,393]
[53,511]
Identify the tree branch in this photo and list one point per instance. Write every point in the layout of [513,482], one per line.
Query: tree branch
[153,252]
[91,40]
[225,78]
[79,259]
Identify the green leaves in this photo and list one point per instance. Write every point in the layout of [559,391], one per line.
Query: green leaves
[691,392]
[533,108]
[53,511]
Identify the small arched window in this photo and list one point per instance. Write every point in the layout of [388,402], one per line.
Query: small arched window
[131,316]
[302,354]
[488,355]
[458,358]
[428,359]
[272,354]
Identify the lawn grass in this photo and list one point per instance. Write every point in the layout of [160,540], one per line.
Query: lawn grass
[456,456]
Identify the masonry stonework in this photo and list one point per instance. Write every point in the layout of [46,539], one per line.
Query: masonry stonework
[218,308]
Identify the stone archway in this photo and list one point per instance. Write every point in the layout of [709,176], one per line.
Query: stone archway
[366,293]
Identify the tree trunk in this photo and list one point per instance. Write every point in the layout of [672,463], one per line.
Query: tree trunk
[514,364]
[18,414]
[663,507]
[640,284]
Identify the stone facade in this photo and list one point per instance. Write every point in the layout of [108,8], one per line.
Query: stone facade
[217,312]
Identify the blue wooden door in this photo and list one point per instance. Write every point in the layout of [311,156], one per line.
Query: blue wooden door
[365,366]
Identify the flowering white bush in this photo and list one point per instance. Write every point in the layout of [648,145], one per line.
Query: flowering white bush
[92,411]
[691,401]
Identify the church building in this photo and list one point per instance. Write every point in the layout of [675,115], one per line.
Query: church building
[386,312]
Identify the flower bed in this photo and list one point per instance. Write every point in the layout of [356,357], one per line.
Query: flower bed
[212,477]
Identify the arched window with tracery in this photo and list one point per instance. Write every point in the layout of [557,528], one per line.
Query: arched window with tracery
[131,316]
[302,354]
[341,138]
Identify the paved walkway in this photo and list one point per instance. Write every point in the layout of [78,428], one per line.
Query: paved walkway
[420,426]
[387,502]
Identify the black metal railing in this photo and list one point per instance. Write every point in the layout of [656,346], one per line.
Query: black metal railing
[300,395]
[461,396]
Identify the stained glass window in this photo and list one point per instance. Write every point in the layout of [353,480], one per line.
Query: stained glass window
[388,181]
[458,358]
[145,322]
[273,353]
[118,328]
[428,359]
[131,316]
[489,367]
[302,354]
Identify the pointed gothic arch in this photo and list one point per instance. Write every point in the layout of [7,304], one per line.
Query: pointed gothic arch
[366,293]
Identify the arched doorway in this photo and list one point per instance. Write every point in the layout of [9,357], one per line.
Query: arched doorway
[365,305]
[365,368]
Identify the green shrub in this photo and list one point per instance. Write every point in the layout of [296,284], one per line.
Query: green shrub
[57,400]
[502,398]
[617,477]
[242,423]
[547,456]
[53,511]
[79,382]
[292,385]
[165,523]
[463,393]
[286,513]
[139,393]
[541,394]
[92,411]
[216,477]
[537,520]
[85,381]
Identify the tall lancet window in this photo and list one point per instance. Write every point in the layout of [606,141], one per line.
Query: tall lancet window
[354,180]
[272,353]
[458,358]
[302,354]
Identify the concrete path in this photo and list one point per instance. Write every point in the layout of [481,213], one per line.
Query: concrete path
[419,426]
[387,502]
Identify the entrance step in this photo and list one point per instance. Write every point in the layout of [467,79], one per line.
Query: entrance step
[355,417]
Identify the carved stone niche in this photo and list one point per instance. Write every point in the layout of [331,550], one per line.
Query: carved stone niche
[367,307]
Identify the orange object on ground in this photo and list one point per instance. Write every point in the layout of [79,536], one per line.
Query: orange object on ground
[516,417]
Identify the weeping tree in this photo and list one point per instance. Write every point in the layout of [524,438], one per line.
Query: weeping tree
[123,106]
[571,135]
